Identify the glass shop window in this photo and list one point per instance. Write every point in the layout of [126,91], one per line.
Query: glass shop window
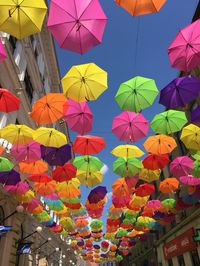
[195,257]
[181,261]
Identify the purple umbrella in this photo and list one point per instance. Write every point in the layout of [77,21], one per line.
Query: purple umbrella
[56,156]
[195,116]
[9,178]
[97,194]
[180,92]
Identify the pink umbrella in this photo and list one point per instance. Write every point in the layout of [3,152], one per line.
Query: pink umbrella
[120,202]
[190,180]
[77,25]
[3,55]
[19,189]
[53,196]
[130,126]
[181,166]
[27,153]
[78,116]
[184,51]
[31,205]
[154,204]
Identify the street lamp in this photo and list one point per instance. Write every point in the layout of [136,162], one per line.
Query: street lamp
[19,209]
[37,230]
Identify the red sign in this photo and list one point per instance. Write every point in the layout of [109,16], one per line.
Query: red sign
[180,244]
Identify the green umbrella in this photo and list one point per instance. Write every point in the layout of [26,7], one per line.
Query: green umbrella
[5,165]
[136,94]
[127,166]
[168,203]
[121,233]
[168,122]
[88,163]
[95,224]
[196,155]
[119,258]
[74,200]
[196,169]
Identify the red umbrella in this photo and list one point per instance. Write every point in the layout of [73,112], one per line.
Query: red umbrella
[144,190]
[8,101]
[40,178]
[155,161]
[64,173]
[87,145]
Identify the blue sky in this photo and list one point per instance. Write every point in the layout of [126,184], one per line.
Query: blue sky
[117,56]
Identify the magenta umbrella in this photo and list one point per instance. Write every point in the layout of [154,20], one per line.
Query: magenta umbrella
[31,205]
[130,126]
[190,180]
[19,189]
[154,204]
[77,25]
[184,51]
[27,153]
[78,116]
[181,166]
[3,55]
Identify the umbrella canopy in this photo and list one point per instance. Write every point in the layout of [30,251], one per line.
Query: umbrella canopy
[39,178]
[87,145]
[97,194]
[155,161]
[180,92]
[84,82]
[77,26]
[87,163]
[120,188]
[49,137]
[190,180]
[168,204]
[8,101]
[130,126]
[195,116]
[168,122]
[17,134]
[136,94]
[169,185]
[89,179]
[68,189]
[29,152]
[22,18]
[56,156]
[154,204]
[3,54]
[64,173]
[78,116]
[5,165]
[45,188]
[184,52]
[26,197]
[144,190]
[18,189]
[181,166]
[10,178]
[31,205]
[37,167]
[190,136]
[196,169]
[148,175]
[127,166]
[48,109]
[127,151]
[137,8]
[160,144]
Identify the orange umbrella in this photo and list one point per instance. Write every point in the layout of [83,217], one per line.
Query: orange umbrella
[37,167]
[48,109]
[1,150]
[81,223]
[169,185]
[160,144]
[46,188]
[37,210]
[68,189]
[120,188]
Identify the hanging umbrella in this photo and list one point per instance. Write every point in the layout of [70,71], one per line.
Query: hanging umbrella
[64,173]
[77,26]
[131,181]
[37,210]
[169,185]
[89,179]
[87,145]
[43,216]
[190,180]
[148,175]
[55,205]
[190,136]
[28,153]
[3,54]
[168,204]
[154,204]
[39,178]
[81,223]
[144,190]
[155,161]
[67,222]
[78,116]
[31,205]
[48,109]
[180,92]
[68,189]
[45,188]
[160,144]
[195,116]
[97,194]
[8,101]
[56,156]
[184,50]
[26,197]
[17,134]
[10,178]
[127,151]
[18,189]
[168,122]
[127,166]
[137,202]
[37,167]
[84,82]
[120,188]
[130,126]
[87,163]
[196,169]
[181,166]
[5,165]
[137,8]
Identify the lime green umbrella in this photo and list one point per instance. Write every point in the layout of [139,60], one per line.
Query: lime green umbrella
[168,122]
[74,200]
[121,233]
[168,203]
[95,224]
[196,169]
[88,163]
[136,94]
[195,155]
[5,165]
[127,166]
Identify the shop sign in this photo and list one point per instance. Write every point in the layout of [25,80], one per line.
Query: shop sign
[180,244]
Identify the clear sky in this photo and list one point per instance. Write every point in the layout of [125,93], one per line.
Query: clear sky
[117,56]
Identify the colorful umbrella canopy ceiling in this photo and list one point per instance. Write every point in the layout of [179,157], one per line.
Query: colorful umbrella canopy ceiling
[8,101]
[87,145]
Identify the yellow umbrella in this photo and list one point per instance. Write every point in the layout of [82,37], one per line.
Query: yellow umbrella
[127,151]
[27,197]
[67,222]
[138,202]
[89,179]
[84,82]
[22,18]
[148,175]
[190,136]
[17,134]
[68,189]
[49,137]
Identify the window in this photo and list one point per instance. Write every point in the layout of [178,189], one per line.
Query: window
[13,42]
[181,261]
[170,262]
[29,87]
[195,257]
